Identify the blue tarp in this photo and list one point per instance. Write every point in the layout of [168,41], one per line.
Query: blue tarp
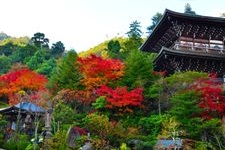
[29,107]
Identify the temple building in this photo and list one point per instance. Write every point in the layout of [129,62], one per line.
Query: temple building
[188,42]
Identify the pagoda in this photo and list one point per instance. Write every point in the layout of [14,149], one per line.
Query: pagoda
[188,42]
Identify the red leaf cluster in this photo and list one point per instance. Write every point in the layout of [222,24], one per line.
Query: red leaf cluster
[212,98]
[120,97]
[70,96]
[18,80]
[98,71]
[79,130]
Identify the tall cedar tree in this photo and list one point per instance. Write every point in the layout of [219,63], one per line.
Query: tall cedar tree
[113,49]
[134,36]
[66,75]
[40,40]
[188,9]
[138,70]
[57,49]
[155,20]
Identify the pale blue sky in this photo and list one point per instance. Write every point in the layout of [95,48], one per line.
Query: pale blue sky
[82,24]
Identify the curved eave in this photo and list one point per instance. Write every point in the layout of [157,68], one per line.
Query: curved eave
[146,46]
[166,51]
[165,23]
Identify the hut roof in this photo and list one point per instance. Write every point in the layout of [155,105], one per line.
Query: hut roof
[24,107]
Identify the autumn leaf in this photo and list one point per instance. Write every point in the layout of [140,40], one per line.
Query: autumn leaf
[23,79]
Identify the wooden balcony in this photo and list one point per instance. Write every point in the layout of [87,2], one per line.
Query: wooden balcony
[200,48]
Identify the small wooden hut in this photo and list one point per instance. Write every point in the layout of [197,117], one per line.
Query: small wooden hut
[21,117]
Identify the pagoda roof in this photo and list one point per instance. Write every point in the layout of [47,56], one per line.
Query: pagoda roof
[192,54]
[173,25]
[171,60]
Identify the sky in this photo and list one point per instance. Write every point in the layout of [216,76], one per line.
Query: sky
[82,24]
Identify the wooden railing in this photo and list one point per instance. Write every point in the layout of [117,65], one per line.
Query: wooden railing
[199,48]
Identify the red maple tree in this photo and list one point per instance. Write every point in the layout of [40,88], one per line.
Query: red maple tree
[20,80]
[98,71]
[121,97]
[212,98]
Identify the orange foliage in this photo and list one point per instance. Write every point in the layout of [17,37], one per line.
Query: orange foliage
[24,79]
[98,71]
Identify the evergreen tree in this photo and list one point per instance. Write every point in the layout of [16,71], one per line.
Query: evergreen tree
[185,108]
[113,49]
[47,67]
[40,41]
[5,63]
[138,72]
[66,75]
[188,9]
[23,53]
[155,20]
[135,31]
[7,49]
[134,37]
[57,49]
[37,59]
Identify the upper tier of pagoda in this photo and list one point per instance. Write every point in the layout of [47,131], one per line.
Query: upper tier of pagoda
[188,42]
[180,31]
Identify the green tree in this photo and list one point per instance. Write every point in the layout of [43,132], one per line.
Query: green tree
[176,82]
[135,31]
[113,49]
[23,53]
[7,49]
[155,20]
[5,63]
[152,125]
[188,9]
[66,75]
[138,71]
[134,36]
[39,40]
[63,114]
[185,108]
[57,49]
[163,88]
[47,67]
[37,59]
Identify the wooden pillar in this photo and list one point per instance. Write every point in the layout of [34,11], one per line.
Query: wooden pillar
[224,43]
[209,42]
[193,45]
